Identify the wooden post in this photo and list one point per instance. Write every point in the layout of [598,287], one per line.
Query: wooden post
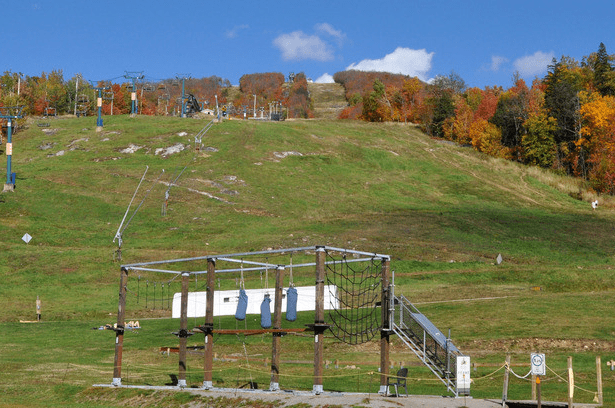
[38,309]
[506,375]
[385,331]
[538,393]
[277,324]
[533,387]
[599,379]
[119,329]
[209,324]
[183,331]
[570,383]
[319,320]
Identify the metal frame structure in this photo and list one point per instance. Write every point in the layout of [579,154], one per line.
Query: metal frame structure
[99,99]
[133,77]
[235,262]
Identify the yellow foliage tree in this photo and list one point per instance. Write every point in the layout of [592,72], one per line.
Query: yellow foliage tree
[598,139]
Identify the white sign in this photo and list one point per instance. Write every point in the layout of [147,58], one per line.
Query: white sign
[463,375]
[26,238]
[538,364]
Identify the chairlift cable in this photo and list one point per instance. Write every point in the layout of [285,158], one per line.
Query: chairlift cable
[118,234]
[141,203]
[176,178]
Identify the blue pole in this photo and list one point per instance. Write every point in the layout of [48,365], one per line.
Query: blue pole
[183,99]
[133,97]
[9,152]
[99,122]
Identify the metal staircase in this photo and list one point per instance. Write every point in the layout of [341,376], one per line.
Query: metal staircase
[428,343]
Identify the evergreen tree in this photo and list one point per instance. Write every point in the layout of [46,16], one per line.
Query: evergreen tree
[562,86]
[604,79]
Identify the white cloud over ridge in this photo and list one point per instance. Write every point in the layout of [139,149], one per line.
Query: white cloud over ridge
[297,46]
[404,61]
[325,78]
[533,65]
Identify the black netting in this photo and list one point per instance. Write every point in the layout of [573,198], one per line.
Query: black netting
[355,289]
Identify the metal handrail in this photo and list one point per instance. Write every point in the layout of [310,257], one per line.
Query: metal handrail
[425,340]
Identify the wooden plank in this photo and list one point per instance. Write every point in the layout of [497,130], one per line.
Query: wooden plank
[250,332]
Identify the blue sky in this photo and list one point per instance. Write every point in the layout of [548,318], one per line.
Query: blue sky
[484,42]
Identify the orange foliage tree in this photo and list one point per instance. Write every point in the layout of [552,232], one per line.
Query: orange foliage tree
[598,138]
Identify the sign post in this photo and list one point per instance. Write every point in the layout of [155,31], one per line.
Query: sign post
[538,368]
[463,375]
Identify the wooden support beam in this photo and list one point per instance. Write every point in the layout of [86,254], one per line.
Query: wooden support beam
[599,380]
[277,324]
[119,332]
[252,332]
[319,320]
[385,331]
[183,331]
[209,324]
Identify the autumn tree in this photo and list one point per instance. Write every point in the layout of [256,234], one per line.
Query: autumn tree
[441,103]
[562,86]
[298,101]
[413,93]
[598,139]
[511,112]
[539,147]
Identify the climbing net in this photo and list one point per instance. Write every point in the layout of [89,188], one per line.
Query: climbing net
[355,316]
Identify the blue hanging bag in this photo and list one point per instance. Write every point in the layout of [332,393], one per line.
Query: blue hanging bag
[242,305]
[291,304]
[266,313]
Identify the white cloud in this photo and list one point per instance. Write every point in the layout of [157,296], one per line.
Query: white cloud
[234,32]
[401,61]
[298,46]
[497,62]
[329,30]
[532,65]
[325,79]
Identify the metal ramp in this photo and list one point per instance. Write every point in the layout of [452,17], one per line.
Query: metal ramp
[428,343]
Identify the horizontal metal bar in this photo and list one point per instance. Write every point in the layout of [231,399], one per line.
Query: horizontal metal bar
[352,251]
[242,261]
[229,258]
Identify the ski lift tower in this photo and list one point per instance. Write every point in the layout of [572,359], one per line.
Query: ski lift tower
[133,76]
[99,121]
[10,113]
[183,78]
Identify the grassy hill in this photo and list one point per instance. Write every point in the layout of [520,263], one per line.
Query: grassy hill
[441,211]
[329,99]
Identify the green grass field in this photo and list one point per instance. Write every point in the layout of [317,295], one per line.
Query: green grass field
[442,212]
